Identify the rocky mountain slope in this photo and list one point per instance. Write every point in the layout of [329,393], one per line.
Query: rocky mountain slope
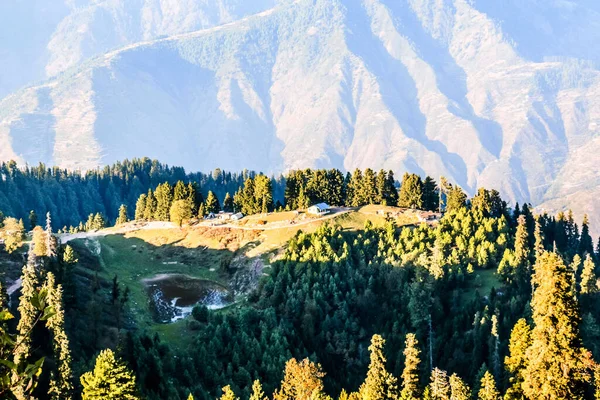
[499,95]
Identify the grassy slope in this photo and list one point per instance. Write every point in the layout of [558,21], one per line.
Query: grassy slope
[202,252]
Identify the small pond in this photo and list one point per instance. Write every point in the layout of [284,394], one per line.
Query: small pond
[173,296]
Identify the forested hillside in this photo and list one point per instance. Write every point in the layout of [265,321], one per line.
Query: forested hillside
[71,196]
[489,301]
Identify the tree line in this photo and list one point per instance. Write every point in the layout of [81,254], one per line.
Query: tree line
[489,302]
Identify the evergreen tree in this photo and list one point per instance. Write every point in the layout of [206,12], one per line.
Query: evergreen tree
[379,384]
[488,389]
[180,191]
[431,196]
[12,232]
[369,187]
[302,381]
[456,199]
[32,220]
[354,193]
[539,239]
[263,194]
[164,199]
[39,242]
[410,375]
[586,244]
[588,276]
[122,219]
[257,391]
[558,364]
[140,207]
[439,387]
[228,203]
[99,222]
[516,363]
[228,394]
[61,386]
[50,239]
[411,192]
[180,212]
[212,204]
[150,210]
[522,267]
[381,181]
[459,390]
[29,314]
[336,191]
[110,380]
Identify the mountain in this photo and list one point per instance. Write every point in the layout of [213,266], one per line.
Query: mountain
[497,94]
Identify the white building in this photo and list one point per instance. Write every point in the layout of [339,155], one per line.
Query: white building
[237,217]
[319,209]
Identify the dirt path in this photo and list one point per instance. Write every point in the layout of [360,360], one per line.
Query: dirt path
[67,237]
[338,213]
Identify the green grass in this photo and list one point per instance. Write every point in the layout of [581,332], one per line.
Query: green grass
[133,259]
[482,281]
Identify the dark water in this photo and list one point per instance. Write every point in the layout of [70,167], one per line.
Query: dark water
[173,296]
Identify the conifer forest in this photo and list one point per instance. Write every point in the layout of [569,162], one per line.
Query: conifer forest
[476,299]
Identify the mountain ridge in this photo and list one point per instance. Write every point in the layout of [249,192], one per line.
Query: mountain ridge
[433,87]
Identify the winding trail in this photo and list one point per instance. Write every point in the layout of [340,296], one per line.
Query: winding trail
[137,226]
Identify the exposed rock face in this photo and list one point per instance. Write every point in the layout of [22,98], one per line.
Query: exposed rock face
[496,94]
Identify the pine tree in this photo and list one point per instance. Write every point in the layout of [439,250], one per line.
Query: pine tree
[228,203]
[110,380]
[180,212]
[522,268]
[228,394]
[164,198]
[32,220]
[488,389]
[379,384]
[411,192]
[336,192]
[212,203]
[369,187]
[439,386]
[430,194]
[12,233]
[50,240]
[29,314]
[140,207]
[263,194]
[539,238]
[586,244]
[459,390]
[381,180]
[516,363]
[597,382]
[588,276]
[558,364]
[354,194]
[257,391]
[495,348]
[122,218]
[150,210]
[99,222]
[180,191]
[455,199]
[410,375]
[302,381]
[61,386]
